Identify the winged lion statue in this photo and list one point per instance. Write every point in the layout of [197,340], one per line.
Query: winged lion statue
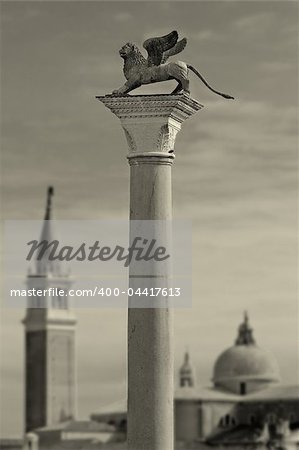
[139,71]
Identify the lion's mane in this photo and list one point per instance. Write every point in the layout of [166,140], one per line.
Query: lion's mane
[133,59]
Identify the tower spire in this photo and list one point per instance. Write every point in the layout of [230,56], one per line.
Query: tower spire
[45,265]
[186,357]
[245,332]
[246,317]
[49,203]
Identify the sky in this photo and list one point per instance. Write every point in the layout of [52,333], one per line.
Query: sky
[235,173]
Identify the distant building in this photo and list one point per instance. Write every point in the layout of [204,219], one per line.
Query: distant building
[245,398]
[50,391]
[76,434]
[246,403]
[11,444]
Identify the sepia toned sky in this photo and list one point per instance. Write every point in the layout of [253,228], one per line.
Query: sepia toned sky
[235,173]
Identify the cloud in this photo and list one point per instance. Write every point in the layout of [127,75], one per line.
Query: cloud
[270,67]
[29,11]
[255,22]
[207,35]
[239,150]
[123,16]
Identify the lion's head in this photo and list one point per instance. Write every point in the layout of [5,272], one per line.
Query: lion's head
[127,49]
[132,57]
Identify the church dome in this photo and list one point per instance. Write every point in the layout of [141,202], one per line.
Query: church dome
[245,362]
[245,367]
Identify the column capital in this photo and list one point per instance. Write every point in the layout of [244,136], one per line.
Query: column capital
[151,122]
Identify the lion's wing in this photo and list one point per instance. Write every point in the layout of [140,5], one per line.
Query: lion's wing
[179,47]
[156,47]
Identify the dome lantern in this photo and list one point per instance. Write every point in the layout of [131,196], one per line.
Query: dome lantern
[245,336]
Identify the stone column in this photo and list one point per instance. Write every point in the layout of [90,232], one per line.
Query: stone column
[150,123]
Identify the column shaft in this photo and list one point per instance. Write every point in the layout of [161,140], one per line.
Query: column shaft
[150,343]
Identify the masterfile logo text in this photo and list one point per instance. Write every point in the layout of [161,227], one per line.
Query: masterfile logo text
[109,263]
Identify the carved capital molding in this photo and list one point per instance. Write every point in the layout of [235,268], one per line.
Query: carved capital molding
[151,122]
[150,135]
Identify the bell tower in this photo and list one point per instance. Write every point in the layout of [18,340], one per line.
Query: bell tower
[50,390]
[187,378]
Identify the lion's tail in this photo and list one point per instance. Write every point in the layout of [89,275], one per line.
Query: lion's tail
[205,82]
